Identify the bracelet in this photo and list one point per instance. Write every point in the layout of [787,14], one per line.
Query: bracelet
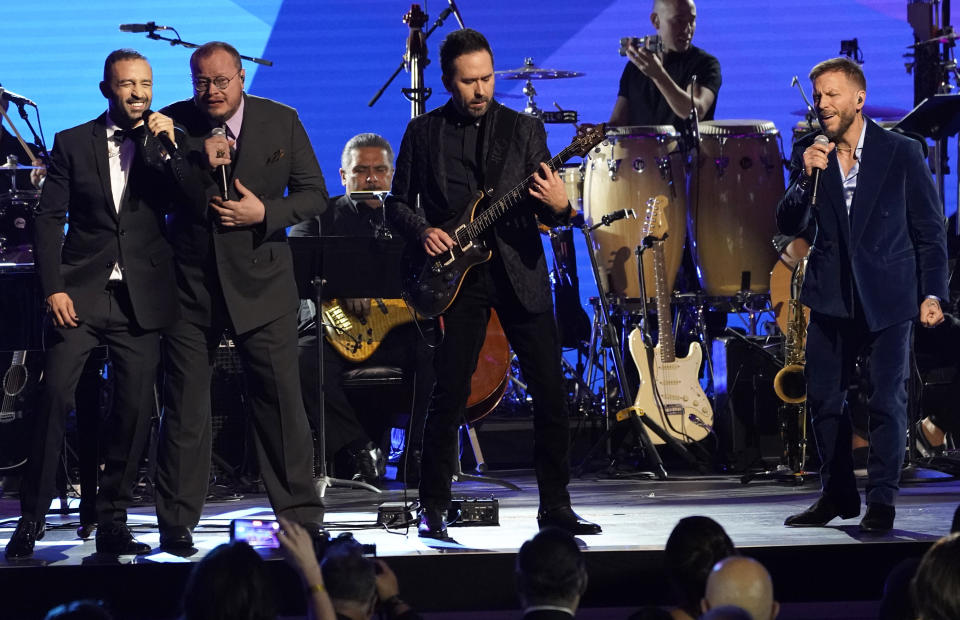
[315,588]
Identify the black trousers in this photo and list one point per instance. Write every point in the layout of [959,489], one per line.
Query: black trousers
[533,337]
[402,348]
[281,432]
[135,354]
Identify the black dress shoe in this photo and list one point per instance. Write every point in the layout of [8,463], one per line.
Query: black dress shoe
[878,518]
[566,519]
[86,530]
[433,523]
[24,538]
[116,539]
[176,538]
[822,512]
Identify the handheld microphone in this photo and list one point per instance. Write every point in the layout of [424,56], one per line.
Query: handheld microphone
[456,12]
[147,27]
[222,169]
[14,98]
[821,139]
[162,136]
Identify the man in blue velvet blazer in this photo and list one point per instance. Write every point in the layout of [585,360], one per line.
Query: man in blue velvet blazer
[879,256]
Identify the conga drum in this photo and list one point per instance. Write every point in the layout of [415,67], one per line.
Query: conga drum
[631,166]
[734,190]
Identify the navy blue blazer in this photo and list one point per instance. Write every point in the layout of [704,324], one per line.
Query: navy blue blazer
[891,252]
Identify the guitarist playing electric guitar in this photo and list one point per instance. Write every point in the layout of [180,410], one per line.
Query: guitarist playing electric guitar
[449,155]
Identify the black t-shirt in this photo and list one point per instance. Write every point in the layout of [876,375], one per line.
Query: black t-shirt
[648,106]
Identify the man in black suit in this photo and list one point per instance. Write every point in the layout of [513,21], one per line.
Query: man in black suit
[235,275]
[112,282]
[551,576]
[445,157]
[366,166]
[879,262]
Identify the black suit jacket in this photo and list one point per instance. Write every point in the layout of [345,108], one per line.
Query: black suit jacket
[421,170]
[251,266]
[78,184]
[890,252]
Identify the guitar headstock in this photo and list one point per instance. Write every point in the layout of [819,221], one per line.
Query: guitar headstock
[654,222]
[588,136]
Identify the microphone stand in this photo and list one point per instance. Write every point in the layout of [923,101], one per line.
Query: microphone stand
[415,59]
[178,41]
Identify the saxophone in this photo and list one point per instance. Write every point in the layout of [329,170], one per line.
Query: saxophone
[789,383]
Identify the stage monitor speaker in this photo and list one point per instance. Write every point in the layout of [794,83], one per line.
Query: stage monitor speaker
[745,418]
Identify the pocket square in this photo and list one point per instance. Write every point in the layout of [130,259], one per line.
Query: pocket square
[277,156]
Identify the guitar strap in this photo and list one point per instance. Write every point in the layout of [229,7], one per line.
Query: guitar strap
[503,130]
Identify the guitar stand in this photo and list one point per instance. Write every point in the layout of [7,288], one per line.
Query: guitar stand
[639,423]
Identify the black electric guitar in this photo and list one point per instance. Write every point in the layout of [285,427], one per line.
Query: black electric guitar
[431,283]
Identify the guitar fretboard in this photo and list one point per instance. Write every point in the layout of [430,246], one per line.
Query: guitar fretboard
[664,323]
[489,217]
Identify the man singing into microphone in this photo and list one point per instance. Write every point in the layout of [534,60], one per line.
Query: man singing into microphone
[110,281]
[235,274]
[879,255]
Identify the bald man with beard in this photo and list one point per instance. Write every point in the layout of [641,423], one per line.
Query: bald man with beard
[742,582]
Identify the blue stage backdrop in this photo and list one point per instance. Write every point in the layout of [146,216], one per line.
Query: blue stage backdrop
[331,56]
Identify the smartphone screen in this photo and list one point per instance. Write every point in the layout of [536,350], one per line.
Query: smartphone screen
[256,532]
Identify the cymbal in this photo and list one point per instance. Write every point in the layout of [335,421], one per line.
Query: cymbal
[873,111]
[529,72]
[16,167]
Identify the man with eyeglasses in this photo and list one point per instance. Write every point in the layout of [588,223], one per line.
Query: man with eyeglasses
[235,276]
[366,166]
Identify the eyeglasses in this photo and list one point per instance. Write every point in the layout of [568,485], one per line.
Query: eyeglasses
[201,85]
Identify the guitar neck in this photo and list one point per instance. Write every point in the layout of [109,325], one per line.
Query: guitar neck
[485,220]
[668,351]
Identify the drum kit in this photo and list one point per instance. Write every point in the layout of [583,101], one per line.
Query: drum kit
[17,210]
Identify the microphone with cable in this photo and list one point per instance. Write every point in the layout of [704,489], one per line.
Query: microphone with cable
[147,27]
[222,168]
[456,12]
[14,98]
[821,139]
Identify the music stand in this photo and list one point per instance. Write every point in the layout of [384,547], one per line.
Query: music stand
[342,267]
[938,118]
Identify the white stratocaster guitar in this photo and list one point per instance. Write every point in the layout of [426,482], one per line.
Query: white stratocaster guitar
[670,392]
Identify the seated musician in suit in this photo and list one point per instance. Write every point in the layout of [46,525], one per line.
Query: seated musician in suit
[366,165]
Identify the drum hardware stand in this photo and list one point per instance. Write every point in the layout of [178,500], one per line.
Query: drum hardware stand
[415,59]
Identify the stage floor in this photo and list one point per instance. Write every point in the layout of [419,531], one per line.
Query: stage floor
[625,562]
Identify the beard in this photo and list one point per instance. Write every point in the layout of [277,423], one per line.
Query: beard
[845,122]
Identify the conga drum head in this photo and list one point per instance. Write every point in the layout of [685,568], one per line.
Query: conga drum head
[633,165]
[736,184]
